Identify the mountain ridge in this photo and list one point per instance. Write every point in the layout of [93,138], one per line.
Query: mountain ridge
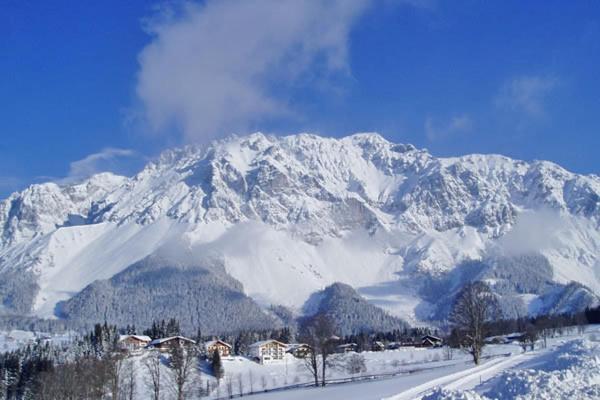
[379,216]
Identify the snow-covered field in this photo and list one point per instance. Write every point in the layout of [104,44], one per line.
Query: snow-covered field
[569,368]
[290,379]
[15,339]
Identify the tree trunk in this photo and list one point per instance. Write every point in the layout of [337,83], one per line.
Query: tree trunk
[476,356]
[324,367]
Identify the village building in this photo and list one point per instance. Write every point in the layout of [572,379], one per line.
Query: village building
[404,342]
[505,339]
[394,345]
[267,351]
[220,346]
[166,344]
[346,348]
[133,342]
[378,346]
[298,350]
[431,341]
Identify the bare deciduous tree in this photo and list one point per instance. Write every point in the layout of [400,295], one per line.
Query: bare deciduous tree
[582,322]
[530,337]
[311,362]
[240,382]
[229,386]
[318,333]
[448,352]
[545,329]
[474,307]
[251,381]
[183,362]
[153,377]
[208,388]
[355,364]
[129,384]
[113,365]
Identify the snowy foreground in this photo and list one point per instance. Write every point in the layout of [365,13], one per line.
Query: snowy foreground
[569,368]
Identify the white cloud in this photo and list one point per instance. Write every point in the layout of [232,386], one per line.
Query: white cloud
[215,68]
[526,94]
[109,159]
[457,124]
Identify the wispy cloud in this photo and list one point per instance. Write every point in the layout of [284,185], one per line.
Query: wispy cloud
[107,160]
[221,67]
[526,94]
[457,124]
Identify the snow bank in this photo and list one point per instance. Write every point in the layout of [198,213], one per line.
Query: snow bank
[573,374]
[443,394]
[572,371]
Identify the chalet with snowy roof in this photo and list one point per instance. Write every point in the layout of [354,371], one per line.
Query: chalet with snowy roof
[378,346]
[166,344]
[298,350]
[430,341]
[220,346]
[133,342]
[346,348]
[267,351]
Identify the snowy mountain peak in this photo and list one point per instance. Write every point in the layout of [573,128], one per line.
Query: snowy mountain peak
[388,210]
[42,208]
[360,180]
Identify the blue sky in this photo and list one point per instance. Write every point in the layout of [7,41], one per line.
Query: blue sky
[86,86]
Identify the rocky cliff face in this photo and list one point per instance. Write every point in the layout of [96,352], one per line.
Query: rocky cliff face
[380,216]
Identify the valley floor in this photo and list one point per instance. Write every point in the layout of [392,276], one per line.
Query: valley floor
[569,368]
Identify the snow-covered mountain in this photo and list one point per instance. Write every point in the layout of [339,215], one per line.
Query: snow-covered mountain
[288,216]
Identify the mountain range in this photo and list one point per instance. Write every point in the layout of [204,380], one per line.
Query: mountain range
[260,227]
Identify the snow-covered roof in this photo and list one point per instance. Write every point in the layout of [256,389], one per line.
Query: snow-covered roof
[348,345]
[264,342]
[141,338]
[162,340]
[296,345]
[213,342]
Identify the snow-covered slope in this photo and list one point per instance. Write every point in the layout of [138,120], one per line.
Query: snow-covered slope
[291,215]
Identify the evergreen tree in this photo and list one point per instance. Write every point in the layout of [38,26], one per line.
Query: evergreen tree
[198,337]
[217,365]
[172,328]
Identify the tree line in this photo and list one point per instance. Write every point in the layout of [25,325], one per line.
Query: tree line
[476,318]
[92,367]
